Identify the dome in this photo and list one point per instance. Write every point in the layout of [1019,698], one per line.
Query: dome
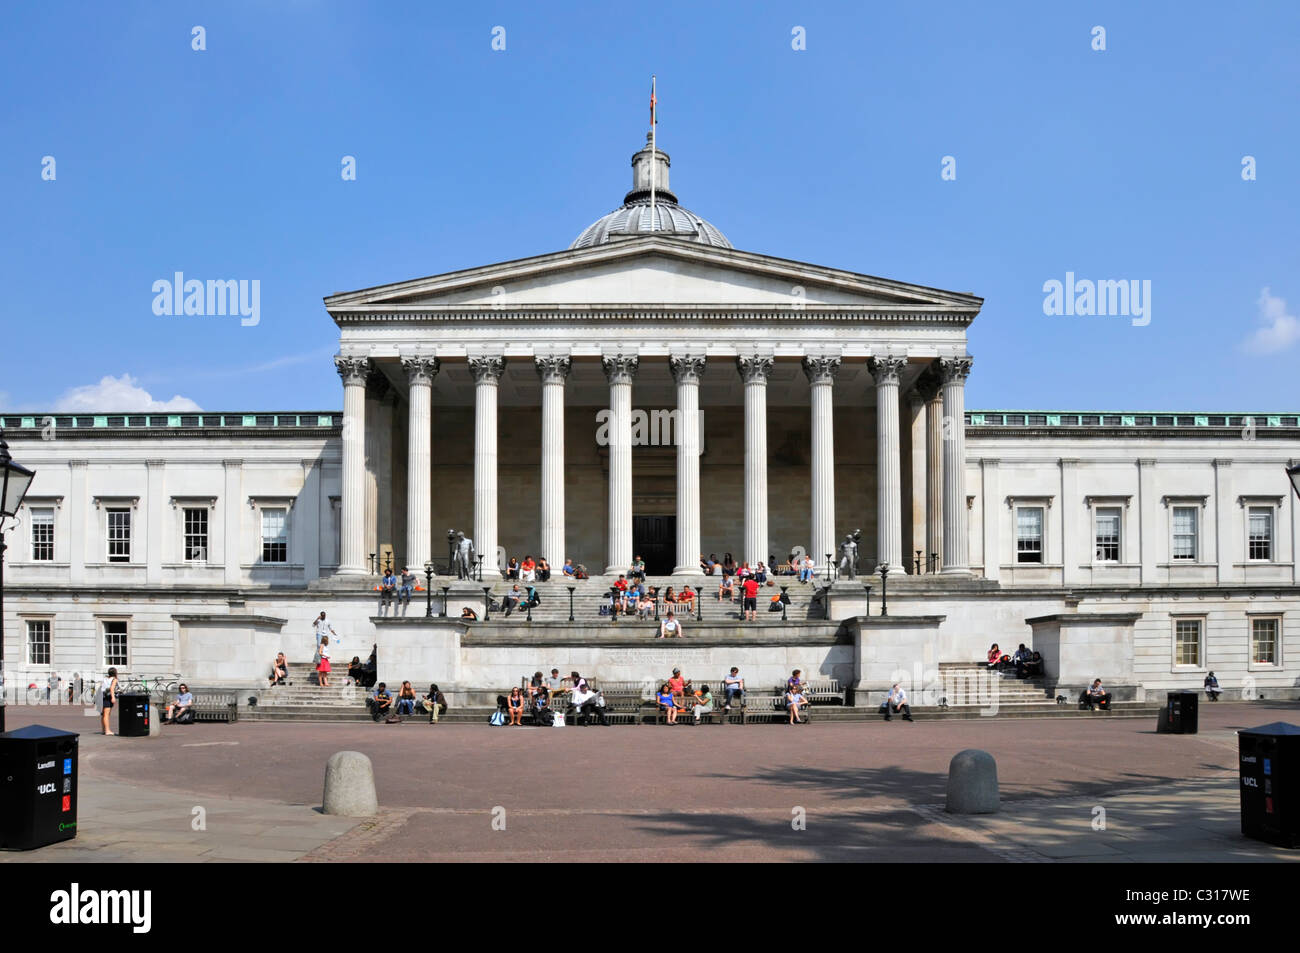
[634,218]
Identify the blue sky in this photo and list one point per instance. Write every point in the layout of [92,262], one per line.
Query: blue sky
[225,163]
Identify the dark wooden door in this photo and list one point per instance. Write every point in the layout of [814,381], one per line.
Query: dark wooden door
[654,539]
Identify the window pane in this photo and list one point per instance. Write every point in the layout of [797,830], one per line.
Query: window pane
[1187,642]
[38,642]
[115,654]
[119,536]
[1185,519]
[42,534]
[275,538]
[1108,521]
[196,535]
[1263,641]
[1260,543]
[1029,534]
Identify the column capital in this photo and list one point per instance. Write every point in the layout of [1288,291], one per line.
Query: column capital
[754,368]
[487,368]
[821,369]
[885,370]
[930,383]
[352,368]
[955,368]
[421,368]
[686,368]
[553,368]
[620,368]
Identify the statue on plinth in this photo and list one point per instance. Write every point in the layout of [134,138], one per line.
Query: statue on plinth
[464,556]
[849,554]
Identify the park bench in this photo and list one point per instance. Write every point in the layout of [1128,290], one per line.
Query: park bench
[771,707]
[819,691]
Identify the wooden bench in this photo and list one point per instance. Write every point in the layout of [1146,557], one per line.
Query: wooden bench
[214,706]
[770,707]
[818,691]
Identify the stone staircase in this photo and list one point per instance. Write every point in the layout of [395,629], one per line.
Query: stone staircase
[969,687]
[590,594]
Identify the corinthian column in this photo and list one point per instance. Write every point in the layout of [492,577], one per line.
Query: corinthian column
[754,371]
[956,545]
[352,556]
[620,369]
[821,372]
[553,369]
[930,389]
[487,372]
[687,370]
[420,372]
[889,480]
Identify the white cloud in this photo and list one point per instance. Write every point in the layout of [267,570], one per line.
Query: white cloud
[1280,328]
[118,395]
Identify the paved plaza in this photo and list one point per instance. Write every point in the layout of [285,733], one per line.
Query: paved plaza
[851,791]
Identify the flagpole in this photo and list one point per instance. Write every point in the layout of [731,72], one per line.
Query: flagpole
[653,154]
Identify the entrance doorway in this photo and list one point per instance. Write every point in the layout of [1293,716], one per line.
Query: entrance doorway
[654,539]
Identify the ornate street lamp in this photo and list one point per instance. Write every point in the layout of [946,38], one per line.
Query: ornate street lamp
[451,551]
[15,480]
[884,588]
[445,589]
[571,588]
[831,569]
[783,601]
[428,589]
[487,602]
[699,603]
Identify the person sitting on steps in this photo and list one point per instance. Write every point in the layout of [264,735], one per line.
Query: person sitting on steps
[895,703]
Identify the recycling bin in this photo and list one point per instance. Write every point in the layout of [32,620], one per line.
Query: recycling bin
[1269,758]
[1179,716]
[133,715]
[38,787]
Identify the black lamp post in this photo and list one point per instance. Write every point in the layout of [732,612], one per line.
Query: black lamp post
[451,551]
[783,598]
[884,589]
[699,603]
[428,589]
[831,568]
[487,602]
[571,588]
[918,562]
[445,589]
[480,568]
[15,480]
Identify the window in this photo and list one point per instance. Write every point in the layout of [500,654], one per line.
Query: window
[1259,543]
[1187,642]
[196,534]
[115,654]
[119,535]
[38,642]
[1029,534]
[275,535]
[1185,523]
[43,534]
[1107,523]
[1263,641]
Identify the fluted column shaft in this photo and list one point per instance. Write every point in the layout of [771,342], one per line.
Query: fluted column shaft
[821,378]
[687,371]
[932,393]
[620,370]
[553,370]
[487,376]
[956,545]
[889,466]
[754,371]
[420,371]
[353,371]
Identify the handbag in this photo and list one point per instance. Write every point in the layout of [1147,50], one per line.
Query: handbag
[497,718]
[558,722]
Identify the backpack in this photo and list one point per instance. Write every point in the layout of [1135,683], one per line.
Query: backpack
[498,718]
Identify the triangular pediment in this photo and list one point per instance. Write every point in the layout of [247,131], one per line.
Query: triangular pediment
[652,271]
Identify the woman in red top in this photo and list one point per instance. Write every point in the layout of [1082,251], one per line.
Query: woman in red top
[995,653]
[529,569]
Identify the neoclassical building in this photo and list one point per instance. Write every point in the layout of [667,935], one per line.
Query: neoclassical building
[652,391]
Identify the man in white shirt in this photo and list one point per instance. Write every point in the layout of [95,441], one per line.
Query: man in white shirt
[896,702]
[323,629]
[587,703]
[733,686]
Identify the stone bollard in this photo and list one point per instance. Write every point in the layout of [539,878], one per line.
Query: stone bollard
[155,721]
[972,783]
[349,785]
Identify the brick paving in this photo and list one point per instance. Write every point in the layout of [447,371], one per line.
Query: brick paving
[864,791]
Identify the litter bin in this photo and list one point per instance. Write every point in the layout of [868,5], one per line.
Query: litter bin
[1269,757]
[38,787]
[1179,715]
[133,715]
